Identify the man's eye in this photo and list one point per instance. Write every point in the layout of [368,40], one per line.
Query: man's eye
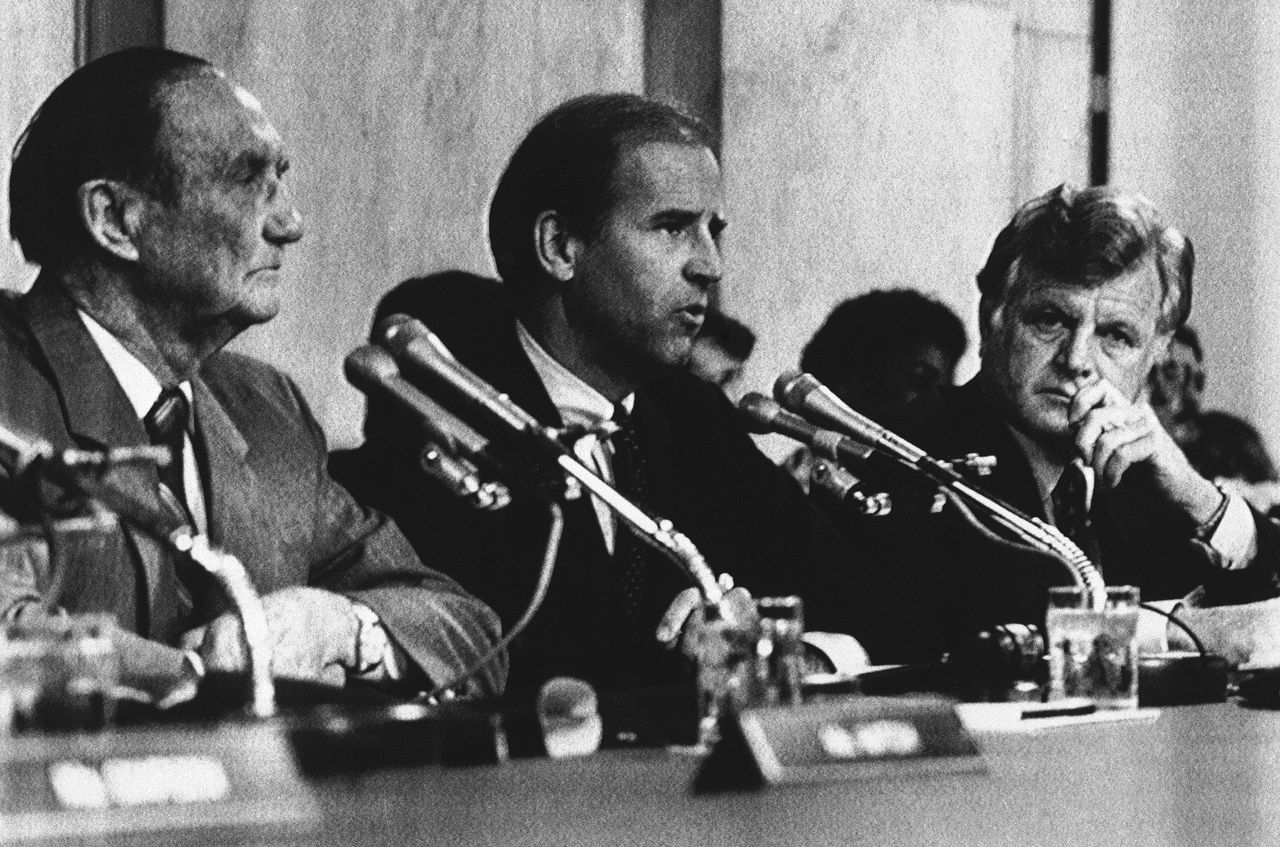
[1047,321]
[1119,337]
[672,227]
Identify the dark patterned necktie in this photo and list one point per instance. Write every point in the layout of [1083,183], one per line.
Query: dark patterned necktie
[630,478]
[166,425]
[1071,510]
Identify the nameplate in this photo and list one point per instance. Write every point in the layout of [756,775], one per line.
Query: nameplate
[850,738]
[115,784]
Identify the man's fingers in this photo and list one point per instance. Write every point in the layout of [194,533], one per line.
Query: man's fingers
[1120,456]
[673,619]
[1094,426]
[1099,394]
[222,649]
[739,607]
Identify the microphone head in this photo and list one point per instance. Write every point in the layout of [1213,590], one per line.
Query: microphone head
[391,326]
[397,332]
[570,717]
[759,412]
[368,364]
[792,387]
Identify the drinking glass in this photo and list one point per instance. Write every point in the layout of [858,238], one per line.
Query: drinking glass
[57,674]
[1094,654]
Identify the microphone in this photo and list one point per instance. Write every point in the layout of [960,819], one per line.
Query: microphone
[569,716]
[376,374]
[426,355]
[765,416]
[413,344]
[803,394]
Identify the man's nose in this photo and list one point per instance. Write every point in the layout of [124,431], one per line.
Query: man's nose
[284,224]
[1077,355]
[706,266]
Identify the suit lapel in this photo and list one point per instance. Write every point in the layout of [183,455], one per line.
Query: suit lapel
[230,482]
[95,407]
[1013,479]
[97,414]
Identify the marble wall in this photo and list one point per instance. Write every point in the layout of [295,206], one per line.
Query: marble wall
[871,148]
[400,115]
[1196,101]
[37,49]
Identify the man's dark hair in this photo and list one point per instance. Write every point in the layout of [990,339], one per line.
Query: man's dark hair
[102,122]
[1228,447]
[735,337]
[1088,237]
[566,163]
[1185,334]
[861,332]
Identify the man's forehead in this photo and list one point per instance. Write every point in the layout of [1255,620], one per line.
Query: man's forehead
[209,115]
[668,173]
[1135,293]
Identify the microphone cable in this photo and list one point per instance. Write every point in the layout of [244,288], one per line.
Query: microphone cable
[446,691]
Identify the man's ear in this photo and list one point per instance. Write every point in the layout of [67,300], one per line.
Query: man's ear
[557,249]
[111,213]
[987,314]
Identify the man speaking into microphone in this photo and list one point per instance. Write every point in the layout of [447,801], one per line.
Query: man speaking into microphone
[1079,297]
[605,229]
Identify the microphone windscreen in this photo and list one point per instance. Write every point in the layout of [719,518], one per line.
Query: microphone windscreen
[758,411]
[785,387]
[568,711]
[366,366]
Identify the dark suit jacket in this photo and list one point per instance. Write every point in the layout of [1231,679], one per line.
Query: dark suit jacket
[269,497]
[705,474]
[942,582]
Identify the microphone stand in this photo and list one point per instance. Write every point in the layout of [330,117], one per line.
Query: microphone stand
[659,533]
[65,468]
[793,389]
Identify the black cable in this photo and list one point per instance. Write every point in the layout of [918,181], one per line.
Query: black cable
[550,552]
[1179,624]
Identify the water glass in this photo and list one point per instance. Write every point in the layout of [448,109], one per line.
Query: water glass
[779,654]
[57,674]
[1094,654]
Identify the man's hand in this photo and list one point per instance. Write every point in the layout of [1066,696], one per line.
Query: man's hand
[1113,435]
[738,607]
[313,637]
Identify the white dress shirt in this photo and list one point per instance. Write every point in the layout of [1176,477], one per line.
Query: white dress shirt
[143,389]
[580,405]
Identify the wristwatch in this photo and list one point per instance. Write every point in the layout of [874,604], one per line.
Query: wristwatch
[371,640]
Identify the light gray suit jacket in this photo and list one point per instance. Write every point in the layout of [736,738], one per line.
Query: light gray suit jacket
[270,499]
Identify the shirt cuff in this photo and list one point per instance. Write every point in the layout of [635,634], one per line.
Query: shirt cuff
[372,637]
[1234,543]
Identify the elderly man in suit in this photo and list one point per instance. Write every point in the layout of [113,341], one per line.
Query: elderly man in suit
[151,191]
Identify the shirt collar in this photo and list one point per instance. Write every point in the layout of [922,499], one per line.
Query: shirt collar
[577,402]
[139,384]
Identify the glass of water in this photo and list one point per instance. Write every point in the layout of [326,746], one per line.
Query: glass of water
[57,673]
[1093,653]
[779,653]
